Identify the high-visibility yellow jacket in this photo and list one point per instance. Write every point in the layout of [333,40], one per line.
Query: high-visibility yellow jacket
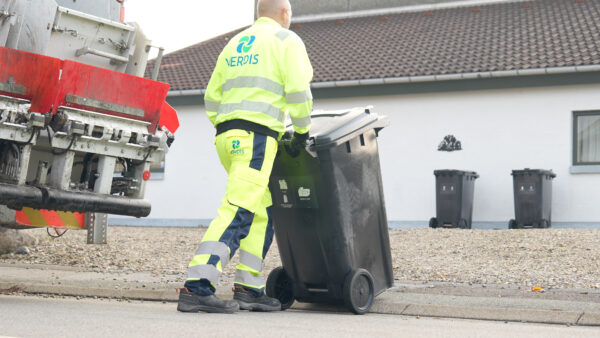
[262,75]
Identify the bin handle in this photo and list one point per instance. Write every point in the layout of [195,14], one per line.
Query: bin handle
[310,147]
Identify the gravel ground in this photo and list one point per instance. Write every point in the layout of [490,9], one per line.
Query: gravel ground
[553,258]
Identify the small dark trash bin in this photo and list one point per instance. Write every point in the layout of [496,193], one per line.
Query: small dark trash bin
[454,198]
[329,215]
[533,198]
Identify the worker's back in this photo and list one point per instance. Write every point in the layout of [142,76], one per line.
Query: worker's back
[256,71]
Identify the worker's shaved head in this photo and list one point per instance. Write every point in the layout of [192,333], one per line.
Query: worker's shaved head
[278,10]
[271,7]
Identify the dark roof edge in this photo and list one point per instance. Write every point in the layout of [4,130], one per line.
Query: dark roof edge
[397,10]
[428,78]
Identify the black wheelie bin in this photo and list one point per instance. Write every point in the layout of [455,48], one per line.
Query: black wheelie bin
[454,198]
[533,198]
[329,214]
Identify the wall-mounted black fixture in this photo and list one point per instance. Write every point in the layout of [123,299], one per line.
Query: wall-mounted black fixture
[450,143]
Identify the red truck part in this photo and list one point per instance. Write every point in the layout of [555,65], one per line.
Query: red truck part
[29,76]
[109,92]
[50,83]
[168,118]
[50,218]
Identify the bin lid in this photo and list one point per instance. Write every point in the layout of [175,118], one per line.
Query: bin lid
[528,171]
[454,172]
[332,128]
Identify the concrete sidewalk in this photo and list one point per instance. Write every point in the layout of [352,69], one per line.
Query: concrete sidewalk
[569,307]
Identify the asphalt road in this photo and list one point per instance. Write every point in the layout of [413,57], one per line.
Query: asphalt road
[32,316]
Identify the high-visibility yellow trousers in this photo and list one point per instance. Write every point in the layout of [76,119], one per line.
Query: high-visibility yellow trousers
[244,218]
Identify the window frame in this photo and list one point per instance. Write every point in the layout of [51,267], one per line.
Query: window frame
[576,115]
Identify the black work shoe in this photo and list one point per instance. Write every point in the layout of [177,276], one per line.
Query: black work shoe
[248,301]
[191,302]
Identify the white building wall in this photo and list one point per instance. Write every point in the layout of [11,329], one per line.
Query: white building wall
[500,130]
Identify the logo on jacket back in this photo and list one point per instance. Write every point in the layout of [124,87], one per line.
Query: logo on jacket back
[244,46]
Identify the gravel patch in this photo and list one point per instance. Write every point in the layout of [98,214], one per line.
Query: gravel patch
[553,258]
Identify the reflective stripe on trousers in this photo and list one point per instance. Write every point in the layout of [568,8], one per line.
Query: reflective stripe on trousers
[253,262]
[245,278]
[214,248]
[204,271]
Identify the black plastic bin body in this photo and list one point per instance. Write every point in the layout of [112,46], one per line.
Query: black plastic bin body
[454,198]
[533,198]
[329,210]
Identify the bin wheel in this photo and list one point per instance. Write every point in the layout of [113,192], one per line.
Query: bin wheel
[433,223]
[462,223]
[512,224]
[280,286]
[359,291]
[544,224]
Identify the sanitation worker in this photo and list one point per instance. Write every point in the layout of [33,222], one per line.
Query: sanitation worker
[262,74]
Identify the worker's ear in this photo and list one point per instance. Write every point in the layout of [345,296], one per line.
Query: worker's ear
[286,17]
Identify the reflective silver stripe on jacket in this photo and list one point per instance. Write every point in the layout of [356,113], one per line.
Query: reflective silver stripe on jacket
[260,107]
[282,35]
[254,82]
[206,271]
[212,105]
[301,122]
[214,248]
[299,97]
[246,278]
[251,261]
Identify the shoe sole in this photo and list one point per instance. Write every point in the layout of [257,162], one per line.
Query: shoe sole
[257,307]
[197,308]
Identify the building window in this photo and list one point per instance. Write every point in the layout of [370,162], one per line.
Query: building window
[586,138]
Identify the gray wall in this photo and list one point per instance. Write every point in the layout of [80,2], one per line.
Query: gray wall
[305,7]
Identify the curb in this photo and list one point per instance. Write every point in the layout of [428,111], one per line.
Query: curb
[381,305]
[77,291]
[496,314]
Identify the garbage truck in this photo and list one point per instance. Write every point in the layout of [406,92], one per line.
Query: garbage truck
[80,126]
